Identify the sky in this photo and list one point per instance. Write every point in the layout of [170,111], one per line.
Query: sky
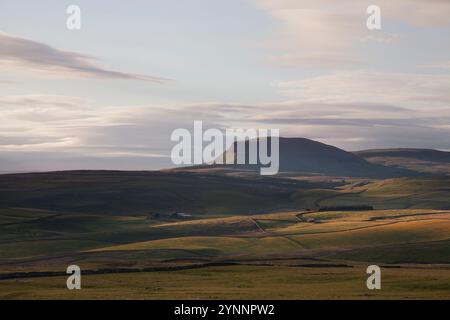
[108,96]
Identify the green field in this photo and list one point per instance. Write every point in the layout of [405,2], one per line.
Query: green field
[276,255]
[287,253]
[240,282]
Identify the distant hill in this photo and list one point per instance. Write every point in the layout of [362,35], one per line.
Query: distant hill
[419,154]
[158,194]
[148,192]
[310,157]
[420,160]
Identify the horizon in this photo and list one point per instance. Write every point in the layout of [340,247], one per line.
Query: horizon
[204,163]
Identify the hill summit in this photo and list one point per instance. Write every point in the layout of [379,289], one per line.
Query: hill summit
[305,156]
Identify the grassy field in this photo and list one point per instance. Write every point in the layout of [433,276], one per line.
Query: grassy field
[120,193]
[294,233]
[406,193]
[283,254]
[240,282]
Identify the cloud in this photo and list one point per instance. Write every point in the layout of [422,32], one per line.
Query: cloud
[310,36]
[403,89]
[324,33]
[49,132]
[313,60]
[28,54]
[353,110]
[426,12]
[52,123]
[439,65]
[352,126]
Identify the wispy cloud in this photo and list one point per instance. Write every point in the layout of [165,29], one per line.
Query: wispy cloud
[39,129]
[324,33]
[439,65]
[30,54]
[6,82]
[404,89]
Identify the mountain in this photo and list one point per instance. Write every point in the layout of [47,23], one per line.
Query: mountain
[420,160]
[304,156]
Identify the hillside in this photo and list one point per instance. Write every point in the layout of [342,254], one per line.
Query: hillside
[281,255]
[148,192]
[155,193]
[120,228]
[311,157]
[419,160]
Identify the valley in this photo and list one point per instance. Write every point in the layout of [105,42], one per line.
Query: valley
[222,232]
[247,237]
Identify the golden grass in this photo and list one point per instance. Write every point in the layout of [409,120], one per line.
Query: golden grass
[397,232]
[340,230]
[224,245]
[241,282]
